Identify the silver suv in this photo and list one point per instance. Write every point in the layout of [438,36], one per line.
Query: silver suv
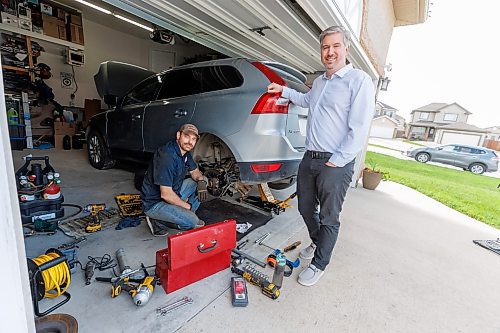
[475,159]
[248,135]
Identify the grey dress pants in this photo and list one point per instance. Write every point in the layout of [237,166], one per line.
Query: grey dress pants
[321,191]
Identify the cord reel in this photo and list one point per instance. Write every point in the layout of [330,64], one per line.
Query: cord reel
[50,277]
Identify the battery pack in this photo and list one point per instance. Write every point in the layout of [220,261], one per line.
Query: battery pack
[239,294]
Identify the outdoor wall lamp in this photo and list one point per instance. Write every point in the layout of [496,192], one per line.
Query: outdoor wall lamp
[384,83]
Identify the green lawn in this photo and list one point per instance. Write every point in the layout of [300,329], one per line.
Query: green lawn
[414,143]
[474,195]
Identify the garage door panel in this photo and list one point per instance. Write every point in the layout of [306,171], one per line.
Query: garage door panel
[466,139]
[382,132]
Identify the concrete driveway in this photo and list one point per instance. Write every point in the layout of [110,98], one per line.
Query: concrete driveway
[403,263]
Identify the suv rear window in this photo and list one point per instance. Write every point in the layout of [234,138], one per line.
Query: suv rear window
[143,92]
[219,78]
[190,81]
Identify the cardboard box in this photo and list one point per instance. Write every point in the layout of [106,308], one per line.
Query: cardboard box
[91,108]
[75,34]
[60,14]
[75,19]
[61,128]
[58,141]
[53,27]
[62,32]
[50,26]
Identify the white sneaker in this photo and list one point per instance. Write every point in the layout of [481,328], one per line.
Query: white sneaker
[310,275]
[308,252]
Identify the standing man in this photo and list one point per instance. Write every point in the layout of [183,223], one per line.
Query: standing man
[168,197]
[341,105]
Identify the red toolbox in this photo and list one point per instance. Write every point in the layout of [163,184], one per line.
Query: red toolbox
[195,254]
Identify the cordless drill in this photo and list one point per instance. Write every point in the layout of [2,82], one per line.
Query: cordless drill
[94,224]
[144,291]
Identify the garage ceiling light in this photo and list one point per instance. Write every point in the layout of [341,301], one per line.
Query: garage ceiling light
[106,11]
[126,19]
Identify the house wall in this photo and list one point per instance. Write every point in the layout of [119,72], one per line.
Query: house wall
[376,31]
[462,116]
[102,44]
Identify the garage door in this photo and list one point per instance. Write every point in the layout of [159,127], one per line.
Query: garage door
[466,139]
[382,132]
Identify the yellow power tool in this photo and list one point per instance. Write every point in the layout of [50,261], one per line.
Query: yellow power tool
[95,224]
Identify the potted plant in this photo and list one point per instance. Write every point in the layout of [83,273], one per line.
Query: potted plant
[372,176]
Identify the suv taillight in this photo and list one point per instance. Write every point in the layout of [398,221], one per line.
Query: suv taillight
[495,158]
[263,168]
[271,103]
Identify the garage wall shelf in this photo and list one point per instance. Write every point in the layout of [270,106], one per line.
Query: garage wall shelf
[35,35]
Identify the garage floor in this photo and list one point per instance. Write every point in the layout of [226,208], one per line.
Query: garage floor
[403,263]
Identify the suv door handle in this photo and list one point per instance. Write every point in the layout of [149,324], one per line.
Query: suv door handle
[136,116]
[180,113]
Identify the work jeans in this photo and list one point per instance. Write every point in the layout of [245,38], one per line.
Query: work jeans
[321,191]
[182,218]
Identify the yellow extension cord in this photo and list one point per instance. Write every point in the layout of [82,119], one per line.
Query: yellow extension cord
[54,277]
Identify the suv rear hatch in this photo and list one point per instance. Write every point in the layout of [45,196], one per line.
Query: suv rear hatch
[295,130]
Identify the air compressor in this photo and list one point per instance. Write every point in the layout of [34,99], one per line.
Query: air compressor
[39,194]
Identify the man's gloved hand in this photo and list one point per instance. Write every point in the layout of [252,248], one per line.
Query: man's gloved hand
[202,190]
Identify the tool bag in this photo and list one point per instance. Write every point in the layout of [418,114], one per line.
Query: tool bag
[195,254]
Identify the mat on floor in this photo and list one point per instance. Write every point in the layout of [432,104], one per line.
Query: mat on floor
[217,210]
[76,227]
[492,245]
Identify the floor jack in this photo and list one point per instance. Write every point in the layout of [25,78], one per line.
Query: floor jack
[267,202]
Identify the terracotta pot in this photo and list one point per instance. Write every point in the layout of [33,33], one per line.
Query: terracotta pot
[371,179]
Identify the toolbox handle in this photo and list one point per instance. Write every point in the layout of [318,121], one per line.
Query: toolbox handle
[208,249]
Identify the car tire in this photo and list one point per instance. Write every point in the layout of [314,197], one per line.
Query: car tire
[283,184]
[98,152]
[477,168]
[422,157]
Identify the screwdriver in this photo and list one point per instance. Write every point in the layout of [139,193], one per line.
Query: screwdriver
[292,246]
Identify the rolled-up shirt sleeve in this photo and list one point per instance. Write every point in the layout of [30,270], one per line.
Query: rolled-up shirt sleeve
[296,97]
[358,122]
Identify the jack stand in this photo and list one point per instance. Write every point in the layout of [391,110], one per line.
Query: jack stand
[267,202]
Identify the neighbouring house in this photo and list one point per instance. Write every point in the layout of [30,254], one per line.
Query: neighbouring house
[386,122]
[492,140]
[426,119]
[460,133]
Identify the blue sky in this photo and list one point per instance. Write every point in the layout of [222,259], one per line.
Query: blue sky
[453,57]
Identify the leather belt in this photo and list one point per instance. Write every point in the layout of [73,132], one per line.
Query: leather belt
[318,154]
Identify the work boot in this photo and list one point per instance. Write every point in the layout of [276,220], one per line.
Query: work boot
[155,227]
[310,275]
[308,252]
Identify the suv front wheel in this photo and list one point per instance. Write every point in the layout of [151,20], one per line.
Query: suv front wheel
[99,156]
[477,168]
[422,157]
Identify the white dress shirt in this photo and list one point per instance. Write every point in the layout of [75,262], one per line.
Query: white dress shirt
[340,112]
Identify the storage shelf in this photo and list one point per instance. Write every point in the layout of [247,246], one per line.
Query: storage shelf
[17,69]
[35,35]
